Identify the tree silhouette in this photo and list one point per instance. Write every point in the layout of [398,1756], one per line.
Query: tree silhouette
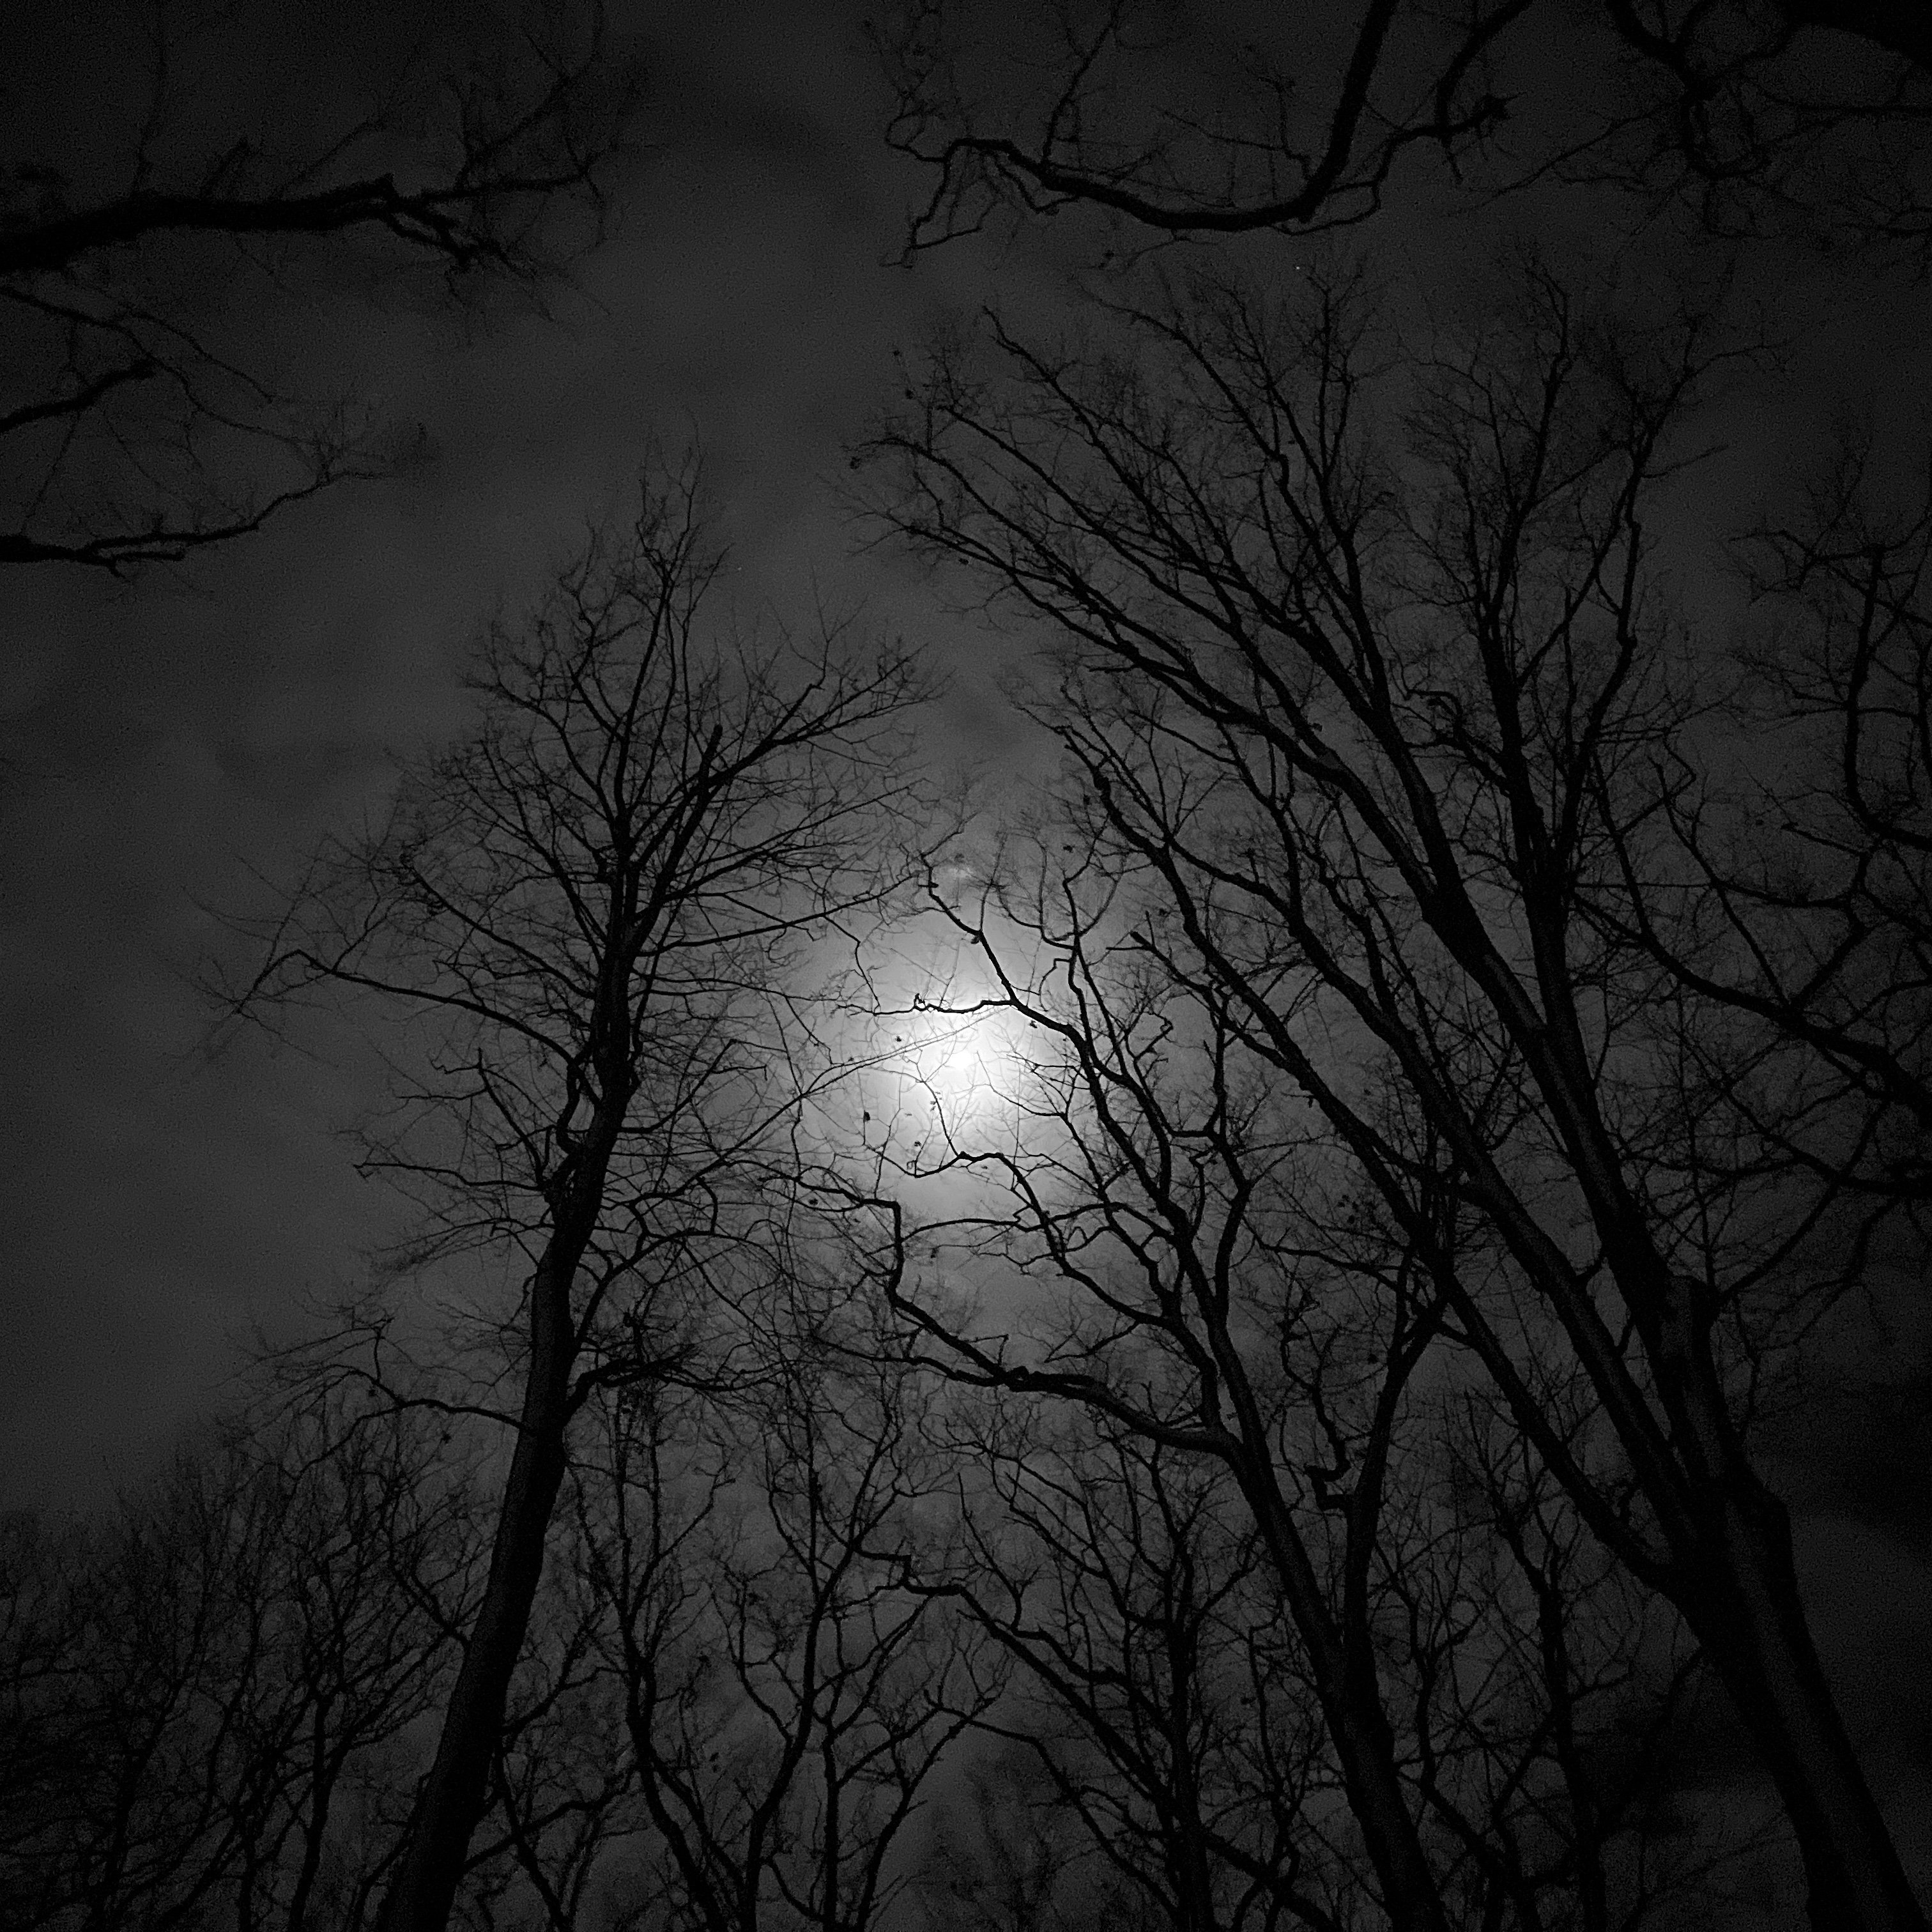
[594,915]
[786,1699]
[210,1693]
[138,424]
[1803,907]
[1775,119]
[1362,687]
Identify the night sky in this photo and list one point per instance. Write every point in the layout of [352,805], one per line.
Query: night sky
[167,747]
[164,743]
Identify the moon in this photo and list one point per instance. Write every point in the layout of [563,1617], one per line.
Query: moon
[964,1071]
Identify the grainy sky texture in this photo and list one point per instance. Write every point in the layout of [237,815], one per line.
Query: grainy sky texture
[163,743]
[167,746]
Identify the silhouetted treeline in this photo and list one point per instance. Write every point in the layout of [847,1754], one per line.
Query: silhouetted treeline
[798,1660]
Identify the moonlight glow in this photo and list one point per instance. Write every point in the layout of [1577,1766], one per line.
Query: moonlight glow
[958,1076]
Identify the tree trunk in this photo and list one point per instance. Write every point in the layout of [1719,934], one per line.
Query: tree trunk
[1357,1726]
[1734,1578]
[424,1892]
[1744,1607]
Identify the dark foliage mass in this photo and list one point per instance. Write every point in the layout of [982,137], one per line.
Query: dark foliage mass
[1203,1349]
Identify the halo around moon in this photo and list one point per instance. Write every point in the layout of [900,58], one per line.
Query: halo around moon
[958,1077]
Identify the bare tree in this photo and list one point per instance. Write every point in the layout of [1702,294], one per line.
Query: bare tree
[1280,1425]
[562,1798]
[1153,1183]
[1007,1855]
[215,1710]
[591,919]
[1361,685]
[788,1699]
[1173,1719]
[1559,1696]
[1801,903]
[38,1748]
[1771,117]
[1166,1709]
[140,422]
